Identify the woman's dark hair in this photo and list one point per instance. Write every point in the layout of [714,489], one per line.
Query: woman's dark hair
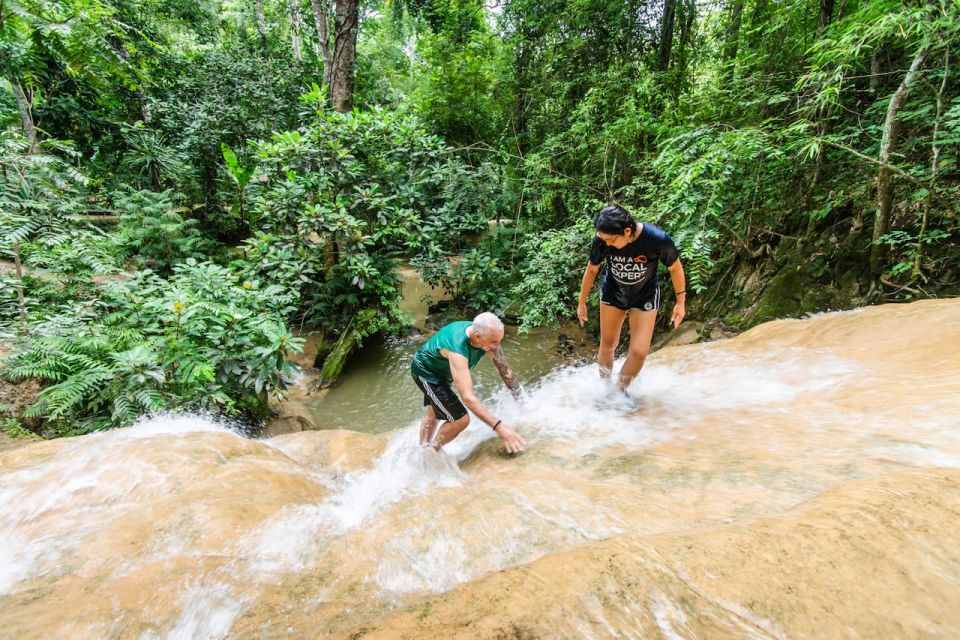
[614,219]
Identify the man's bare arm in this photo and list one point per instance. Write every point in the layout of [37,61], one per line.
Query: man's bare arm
[460,370]
[506,373]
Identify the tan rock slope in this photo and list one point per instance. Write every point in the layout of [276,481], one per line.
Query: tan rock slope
[799,481]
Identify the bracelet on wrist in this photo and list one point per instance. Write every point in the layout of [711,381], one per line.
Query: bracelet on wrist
[680,293]
[497,425]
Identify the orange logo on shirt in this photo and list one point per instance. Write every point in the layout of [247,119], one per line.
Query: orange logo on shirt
[640,259]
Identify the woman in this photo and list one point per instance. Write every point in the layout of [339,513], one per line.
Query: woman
[633,251]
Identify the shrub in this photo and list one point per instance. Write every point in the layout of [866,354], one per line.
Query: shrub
[338,200]
[549,279]
[203,339]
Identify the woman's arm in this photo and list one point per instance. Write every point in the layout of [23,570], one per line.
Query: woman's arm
[680,287]
[589,277]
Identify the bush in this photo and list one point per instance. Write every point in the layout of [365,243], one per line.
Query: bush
[478,279]
[153,230]
[337,202]
[549,279]
[203,339]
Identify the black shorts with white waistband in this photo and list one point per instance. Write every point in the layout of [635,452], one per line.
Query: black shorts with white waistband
[442,398]
[647,300]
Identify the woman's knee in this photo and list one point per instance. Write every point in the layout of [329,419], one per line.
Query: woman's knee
[609,343]
[639,352]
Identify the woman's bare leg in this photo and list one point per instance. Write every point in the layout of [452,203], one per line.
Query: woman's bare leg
[611,322]
[641,335]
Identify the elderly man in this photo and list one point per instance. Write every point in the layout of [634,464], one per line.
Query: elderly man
[448,357]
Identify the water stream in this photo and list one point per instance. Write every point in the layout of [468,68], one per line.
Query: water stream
[800,480]
[375,392]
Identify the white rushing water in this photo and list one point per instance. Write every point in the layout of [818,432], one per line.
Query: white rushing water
[407,511]
[564,405]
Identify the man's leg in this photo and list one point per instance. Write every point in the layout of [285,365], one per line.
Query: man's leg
[449,430]
[641,334]
[443,403]
[428,425]
[611,322]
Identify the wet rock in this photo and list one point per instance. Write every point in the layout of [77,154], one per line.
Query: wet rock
[313,346]
[687,333]
[440,306]
[717,329]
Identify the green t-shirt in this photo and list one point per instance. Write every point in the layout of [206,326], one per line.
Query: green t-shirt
[430,366]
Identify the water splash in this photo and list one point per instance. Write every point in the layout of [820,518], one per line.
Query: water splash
[571,403]
[294,538]
[222,533]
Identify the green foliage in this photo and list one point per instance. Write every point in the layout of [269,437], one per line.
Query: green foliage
[201,340]
[457,89]
[338,199]
[13,428]
[477,280]
[150,156]
[41,199]
[550,273]
[154,231]
[40,192]
[223,95]
[703,172]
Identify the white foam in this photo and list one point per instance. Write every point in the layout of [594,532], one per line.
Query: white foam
[292,539]
[569,403]
[208,613]
[441,567]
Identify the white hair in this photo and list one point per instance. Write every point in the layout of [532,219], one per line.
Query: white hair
[487,323]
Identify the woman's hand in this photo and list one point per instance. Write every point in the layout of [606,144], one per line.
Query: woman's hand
[679,311]
[582,313]
[511,439]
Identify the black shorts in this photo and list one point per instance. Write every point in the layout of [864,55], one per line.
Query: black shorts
[442,398]
[646,300]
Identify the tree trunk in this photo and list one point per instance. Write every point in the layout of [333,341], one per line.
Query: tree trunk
[733,35]
[294,12]
[875,70]
[21,303]
[344,54]
[826,14]
[887,145]
[323,35]
[145,112]
[934,161]
[666,34]
[25,106]
[261,25]
[688,15]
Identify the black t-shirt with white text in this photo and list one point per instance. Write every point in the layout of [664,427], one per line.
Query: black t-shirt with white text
[632,270]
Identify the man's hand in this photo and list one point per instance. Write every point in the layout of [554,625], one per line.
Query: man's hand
[582,313]
[511,439]
[679,311]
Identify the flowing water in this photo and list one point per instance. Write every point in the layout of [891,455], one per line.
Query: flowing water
[376,393]
[800,480]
